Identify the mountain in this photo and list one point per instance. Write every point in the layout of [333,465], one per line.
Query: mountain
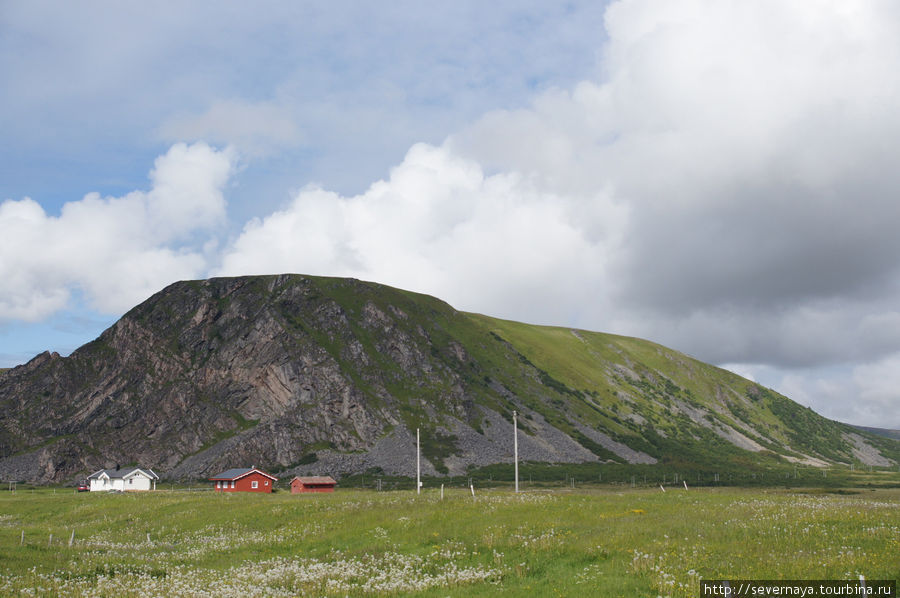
[327,375]
[895,434]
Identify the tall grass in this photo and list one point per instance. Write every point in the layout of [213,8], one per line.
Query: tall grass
[560,543]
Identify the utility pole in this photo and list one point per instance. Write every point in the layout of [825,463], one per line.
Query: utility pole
[418,465]
[516,449]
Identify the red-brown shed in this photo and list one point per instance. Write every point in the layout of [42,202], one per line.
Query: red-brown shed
[247,479]
[312,484]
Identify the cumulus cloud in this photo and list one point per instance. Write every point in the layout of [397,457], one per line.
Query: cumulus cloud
[440,225]
[116,250]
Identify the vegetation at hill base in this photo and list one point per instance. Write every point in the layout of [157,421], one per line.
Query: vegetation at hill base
[548,476]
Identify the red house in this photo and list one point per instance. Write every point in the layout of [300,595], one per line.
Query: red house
[312,484]
[248,479]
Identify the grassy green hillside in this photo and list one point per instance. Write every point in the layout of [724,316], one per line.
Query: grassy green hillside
[653,399]
[650,398]
[672,406]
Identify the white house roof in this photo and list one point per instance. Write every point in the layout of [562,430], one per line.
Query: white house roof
[123,473]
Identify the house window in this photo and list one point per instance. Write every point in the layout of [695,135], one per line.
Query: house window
[232,483]
[267,482]
[254,484]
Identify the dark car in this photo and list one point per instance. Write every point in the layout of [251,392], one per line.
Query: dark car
[83,487]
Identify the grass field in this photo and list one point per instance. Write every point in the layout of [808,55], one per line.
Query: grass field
[586,542]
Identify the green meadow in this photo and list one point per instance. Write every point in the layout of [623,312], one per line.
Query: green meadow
[542,542]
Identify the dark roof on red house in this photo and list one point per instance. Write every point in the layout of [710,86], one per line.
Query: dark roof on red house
[234,474]
[315,480]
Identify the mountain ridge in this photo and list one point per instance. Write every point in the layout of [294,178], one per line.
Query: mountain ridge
[306,374]
[886,432]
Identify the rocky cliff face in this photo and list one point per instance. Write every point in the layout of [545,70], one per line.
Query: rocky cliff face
[304,374]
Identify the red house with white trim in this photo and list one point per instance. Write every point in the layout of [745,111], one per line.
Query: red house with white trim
[247,479]
[312,484]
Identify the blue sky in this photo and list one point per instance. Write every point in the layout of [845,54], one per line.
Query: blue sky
[713,176]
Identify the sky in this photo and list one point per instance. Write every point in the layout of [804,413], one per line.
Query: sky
[713,175]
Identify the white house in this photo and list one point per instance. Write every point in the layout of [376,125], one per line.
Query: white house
[127,479]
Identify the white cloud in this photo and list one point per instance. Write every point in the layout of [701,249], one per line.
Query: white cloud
[117,250]
[438,224]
